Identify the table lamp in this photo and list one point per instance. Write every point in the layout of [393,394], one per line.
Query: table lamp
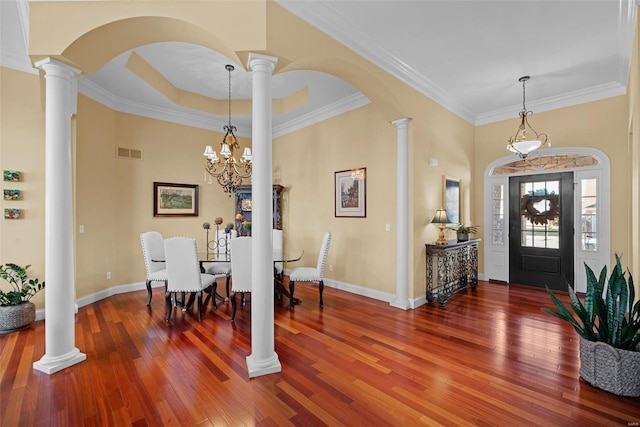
[442,220]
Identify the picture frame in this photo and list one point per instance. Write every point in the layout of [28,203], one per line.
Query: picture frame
[11,176]
[11,195]
[175,199]
[350,193]
[11,213]
[452,198]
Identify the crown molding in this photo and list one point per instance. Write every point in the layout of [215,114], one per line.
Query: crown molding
[335,25]
[15,60]
[595,93]
[192,118]
[336,108]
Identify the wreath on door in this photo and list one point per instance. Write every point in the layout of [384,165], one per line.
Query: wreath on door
[528,208]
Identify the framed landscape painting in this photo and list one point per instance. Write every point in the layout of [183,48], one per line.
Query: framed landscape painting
[175,199]
[351,193]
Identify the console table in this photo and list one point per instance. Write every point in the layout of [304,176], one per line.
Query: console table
[450,268]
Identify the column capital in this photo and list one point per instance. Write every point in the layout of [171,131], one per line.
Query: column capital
[257,59]
[50,65]
[401,122]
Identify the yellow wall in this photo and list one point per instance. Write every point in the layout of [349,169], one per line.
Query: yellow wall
[22,149]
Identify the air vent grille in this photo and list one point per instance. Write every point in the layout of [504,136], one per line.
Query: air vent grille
[128,153]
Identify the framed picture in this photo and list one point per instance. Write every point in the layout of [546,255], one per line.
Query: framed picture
[452,198]
[175,199]
[12,213]
[351,193]
[12,176]
[11,194]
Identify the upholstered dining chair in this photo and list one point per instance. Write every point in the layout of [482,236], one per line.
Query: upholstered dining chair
[183,271]
[241,266]
[153,249]
[311,274]
[222,245]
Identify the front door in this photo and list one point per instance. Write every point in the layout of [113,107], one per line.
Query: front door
[541,230]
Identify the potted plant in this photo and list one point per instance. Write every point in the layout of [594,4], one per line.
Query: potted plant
[16,311]
[463,232]
[608,324]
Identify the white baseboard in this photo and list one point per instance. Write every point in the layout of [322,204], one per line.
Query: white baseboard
[347,287]
[106,293]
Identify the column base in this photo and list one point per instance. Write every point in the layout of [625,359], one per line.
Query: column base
[257,368]
[51,365]
[404,305]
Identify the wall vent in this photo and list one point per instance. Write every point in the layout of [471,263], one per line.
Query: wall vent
[128,153]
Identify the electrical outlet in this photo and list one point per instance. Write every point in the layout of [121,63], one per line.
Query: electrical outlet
[387,227]
[108,275]
[330,267]
[81,229]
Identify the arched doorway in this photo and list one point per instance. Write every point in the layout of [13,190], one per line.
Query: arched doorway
[590,171]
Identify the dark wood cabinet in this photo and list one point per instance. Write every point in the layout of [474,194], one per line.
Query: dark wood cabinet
[244,202]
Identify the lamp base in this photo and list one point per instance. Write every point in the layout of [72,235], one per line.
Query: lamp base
[441,239]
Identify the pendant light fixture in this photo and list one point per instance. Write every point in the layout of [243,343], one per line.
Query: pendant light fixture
[518,143]
[226,169]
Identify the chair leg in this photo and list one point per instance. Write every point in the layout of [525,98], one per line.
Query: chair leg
[291,289]
[321,289]
[233,305]
[149,293]
[167,297]
[228,280]
[214,290]
[199,306]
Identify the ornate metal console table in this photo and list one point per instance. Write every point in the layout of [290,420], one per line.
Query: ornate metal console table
[450,269]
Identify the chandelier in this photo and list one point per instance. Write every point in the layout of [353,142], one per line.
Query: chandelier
[518,143]
[228,171]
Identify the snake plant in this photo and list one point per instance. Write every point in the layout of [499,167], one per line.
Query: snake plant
[608,313]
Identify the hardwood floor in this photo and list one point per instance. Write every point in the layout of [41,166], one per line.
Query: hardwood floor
[491,357]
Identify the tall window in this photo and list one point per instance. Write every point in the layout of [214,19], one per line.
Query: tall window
[589,215]
[497,213]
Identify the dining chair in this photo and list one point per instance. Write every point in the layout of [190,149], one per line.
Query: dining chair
[241,266]
[311,274]
[153,249]
[183,271]
[222,245]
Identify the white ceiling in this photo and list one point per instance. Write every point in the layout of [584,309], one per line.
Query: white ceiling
[466,55]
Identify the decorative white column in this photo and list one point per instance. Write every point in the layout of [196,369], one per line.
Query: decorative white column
[60,350]
[401,299]
[263,359]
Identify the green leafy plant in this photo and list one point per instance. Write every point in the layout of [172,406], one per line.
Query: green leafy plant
[466,229]
[22,289]
[608,313]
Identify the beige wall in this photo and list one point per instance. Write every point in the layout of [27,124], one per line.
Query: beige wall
[22,149]
[115,195]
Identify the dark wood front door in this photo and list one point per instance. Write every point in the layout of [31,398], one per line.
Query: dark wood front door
[541,230]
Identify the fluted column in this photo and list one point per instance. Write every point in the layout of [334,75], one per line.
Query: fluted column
[401,299]
[60,350]
[263,358]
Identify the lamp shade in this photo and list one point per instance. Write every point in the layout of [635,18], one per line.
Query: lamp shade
[441,217]
[524,147]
